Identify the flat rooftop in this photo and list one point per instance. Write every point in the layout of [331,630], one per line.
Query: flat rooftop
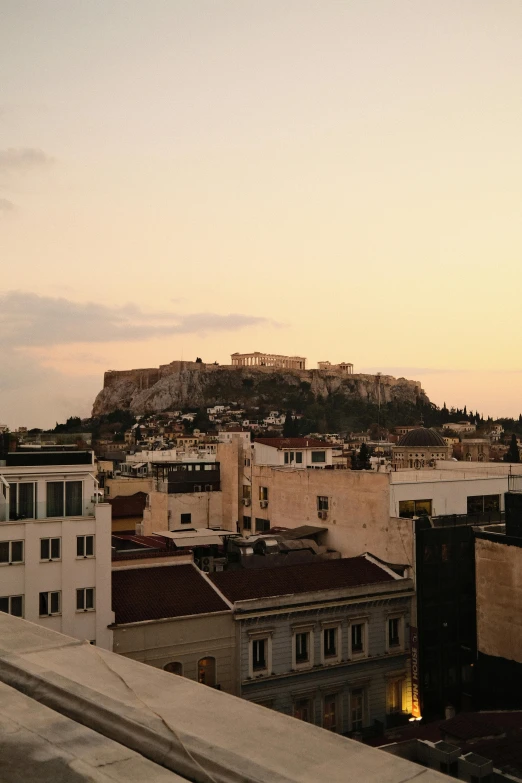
[99,716]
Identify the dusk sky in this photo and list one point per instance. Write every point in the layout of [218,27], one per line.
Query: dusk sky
[182,178]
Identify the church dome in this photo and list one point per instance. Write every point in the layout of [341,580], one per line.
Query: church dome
[421,437]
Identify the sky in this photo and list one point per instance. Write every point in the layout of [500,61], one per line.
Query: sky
[332,179]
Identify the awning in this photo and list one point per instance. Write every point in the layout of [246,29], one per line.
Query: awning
[201,537]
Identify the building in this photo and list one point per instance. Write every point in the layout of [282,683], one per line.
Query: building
[459,426]
[185,494]
[300,453]
[498,558]
[472,449]
[344,368]
[258,359]
[172,617]
[327,642]
[70,712]
[55,538]
[127,511]
[420,448]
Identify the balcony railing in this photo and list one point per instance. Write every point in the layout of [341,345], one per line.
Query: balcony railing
[39,511]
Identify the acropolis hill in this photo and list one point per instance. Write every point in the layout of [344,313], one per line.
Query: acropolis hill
[183,384]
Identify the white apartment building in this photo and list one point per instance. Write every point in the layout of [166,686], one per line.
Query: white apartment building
[293,452]
[55,543]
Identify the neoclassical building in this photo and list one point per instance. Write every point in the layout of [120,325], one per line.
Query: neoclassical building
[420,448]
[258,359]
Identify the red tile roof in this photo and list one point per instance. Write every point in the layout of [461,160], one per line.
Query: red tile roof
[293,443]
[140,594]
[249,583]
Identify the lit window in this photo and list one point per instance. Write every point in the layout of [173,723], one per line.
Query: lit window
[207,671]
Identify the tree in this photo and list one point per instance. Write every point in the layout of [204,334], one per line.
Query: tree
[512,454]
[199,360]
[364,457]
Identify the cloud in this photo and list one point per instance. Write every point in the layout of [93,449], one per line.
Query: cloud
[6,206]
[22,159]
[27,319]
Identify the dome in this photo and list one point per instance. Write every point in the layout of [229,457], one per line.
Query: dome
[421,437]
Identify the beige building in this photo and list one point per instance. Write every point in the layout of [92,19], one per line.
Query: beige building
[172,617]
[344,368]
[258,359]
[473,450]
[420,448]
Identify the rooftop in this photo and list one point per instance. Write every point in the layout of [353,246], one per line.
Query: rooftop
[422,437]
[143,723]
[293,443]
[249,584]
[128,505]
[40,457]
[154,593]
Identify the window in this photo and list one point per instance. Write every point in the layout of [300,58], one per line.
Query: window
[207,671]
[85,599]
[50,603]
[174,668]
[22,500]
[186,519]
[415,508]
[394,633]
[247,491]
[483,504]
[11,552]
[322,503]
[330,712]
[289,457]
[263,493]
[259,654]
[303,710]
[357,639]
[247,523]
[12,604]
[50,548]
[330,642]
[299,457]
[318,456]
[262,525]
[357,709]
[302,647]
[394,695]
[64,498]
[84,546]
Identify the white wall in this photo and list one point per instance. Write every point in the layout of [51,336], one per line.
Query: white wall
[448,495]
[32,577]
[205,508]
[269,455]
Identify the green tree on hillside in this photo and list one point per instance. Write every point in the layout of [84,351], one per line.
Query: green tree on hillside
[512,454]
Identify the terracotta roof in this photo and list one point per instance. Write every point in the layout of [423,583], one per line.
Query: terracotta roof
[249,583]
[293,443]
[128,505]
[474,725]
[140,594]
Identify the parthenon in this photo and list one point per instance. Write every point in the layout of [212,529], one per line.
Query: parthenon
[258,359]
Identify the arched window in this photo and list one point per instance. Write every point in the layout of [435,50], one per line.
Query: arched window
[207,671]
[174,668]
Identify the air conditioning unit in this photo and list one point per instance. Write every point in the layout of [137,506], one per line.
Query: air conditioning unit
[246,501]
[207,564]
[322,514]
[197,487]
[263,503]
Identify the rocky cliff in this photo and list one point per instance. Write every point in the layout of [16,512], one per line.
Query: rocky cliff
[190,384]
